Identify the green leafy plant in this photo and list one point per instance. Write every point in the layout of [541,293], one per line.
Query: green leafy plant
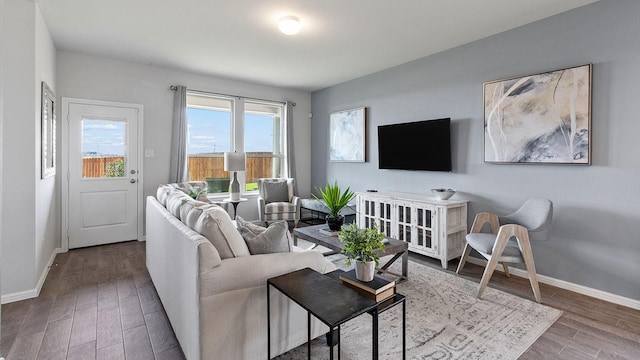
[194,192]
[334,198]
[114,168]
[361,244]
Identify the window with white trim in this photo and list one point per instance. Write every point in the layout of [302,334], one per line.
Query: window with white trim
[219,124]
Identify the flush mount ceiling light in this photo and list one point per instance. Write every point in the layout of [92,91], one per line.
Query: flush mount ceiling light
[289,25]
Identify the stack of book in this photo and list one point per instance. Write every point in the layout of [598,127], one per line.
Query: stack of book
[328,232]
[377,289]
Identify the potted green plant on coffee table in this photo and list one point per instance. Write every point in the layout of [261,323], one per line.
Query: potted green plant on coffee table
[360,245]
[335,200]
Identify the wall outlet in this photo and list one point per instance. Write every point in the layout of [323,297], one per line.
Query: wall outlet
[148,153]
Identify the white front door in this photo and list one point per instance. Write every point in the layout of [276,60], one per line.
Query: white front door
[103,172]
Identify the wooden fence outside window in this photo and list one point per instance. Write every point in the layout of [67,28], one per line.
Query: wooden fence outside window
[200,167]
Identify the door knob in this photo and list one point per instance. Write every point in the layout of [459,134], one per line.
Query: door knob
[132,181]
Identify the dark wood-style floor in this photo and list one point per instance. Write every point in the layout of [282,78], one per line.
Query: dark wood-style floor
[99,303]
[96,303]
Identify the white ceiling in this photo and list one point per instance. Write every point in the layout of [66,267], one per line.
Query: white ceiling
[340,39]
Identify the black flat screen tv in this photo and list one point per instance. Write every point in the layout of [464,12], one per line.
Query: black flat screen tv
[419,145]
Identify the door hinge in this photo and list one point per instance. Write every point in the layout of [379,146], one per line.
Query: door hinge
[68,175]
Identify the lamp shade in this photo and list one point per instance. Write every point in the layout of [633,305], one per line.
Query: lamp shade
[234,161]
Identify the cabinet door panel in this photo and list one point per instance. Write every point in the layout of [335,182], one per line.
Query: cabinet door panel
[432,228]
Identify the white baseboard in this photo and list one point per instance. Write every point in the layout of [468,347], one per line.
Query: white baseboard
[32,293]
[580,289]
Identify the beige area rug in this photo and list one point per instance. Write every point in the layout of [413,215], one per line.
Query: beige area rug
[445,320]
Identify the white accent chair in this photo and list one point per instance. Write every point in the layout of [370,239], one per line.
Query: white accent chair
[509,239]
[276,200]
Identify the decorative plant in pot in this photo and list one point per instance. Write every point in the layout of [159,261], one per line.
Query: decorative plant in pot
[335,199]
[360,245]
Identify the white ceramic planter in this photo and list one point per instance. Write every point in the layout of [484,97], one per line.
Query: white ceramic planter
[365,270]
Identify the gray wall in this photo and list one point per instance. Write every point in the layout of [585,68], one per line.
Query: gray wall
[30,217]
[98,78]
[595,241]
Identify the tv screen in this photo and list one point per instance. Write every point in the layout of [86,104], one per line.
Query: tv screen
[420,145]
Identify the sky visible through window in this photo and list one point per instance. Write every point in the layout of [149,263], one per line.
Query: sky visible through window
[209,131]
[103,137]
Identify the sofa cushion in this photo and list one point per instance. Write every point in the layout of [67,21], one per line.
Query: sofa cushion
[203,197]
[187,206]
[276,191]
[279,207]
[261,240]
[162,193]
[215,224]
[175,199]
[209,257]
[483,242]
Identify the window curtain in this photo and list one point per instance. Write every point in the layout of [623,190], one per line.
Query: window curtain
[291,164]
[179,160]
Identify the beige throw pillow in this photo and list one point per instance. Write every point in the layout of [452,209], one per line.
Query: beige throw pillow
[215,224]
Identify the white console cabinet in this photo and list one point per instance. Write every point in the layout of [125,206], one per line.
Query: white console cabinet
[432,227]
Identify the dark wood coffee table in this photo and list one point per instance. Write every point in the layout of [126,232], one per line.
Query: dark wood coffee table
[328,300]
[395,247]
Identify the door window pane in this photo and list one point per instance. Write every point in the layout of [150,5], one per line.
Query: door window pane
[104,150]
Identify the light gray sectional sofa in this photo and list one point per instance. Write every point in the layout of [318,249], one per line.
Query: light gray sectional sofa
[212,289]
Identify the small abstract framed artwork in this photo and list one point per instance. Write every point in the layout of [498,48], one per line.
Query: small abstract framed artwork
[539,119]
[347,136]
[48,141]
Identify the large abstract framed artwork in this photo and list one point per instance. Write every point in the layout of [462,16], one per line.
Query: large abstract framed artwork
[543,118]
[48,141]
[347,135]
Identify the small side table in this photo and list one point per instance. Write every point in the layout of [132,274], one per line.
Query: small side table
[235,204]
[328,300]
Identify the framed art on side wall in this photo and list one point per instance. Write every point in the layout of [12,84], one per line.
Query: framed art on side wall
[543,118]
[347,135]
[48,141]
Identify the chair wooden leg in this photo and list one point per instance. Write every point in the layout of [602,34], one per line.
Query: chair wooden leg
[505,266]
[527,255]
[463,258]
[501,242]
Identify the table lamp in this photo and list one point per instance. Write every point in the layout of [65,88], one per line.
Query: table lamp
[234,161]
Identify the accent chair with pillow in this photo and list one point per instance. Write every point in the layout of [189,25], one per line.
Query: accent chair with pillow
[276,200]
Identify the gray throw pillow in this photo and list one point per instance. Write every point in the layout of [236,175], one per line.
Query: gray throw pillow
[277,191]
[261,240]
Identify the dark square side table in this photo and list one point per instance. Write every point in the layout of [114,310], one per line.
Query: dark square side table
[324,297]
